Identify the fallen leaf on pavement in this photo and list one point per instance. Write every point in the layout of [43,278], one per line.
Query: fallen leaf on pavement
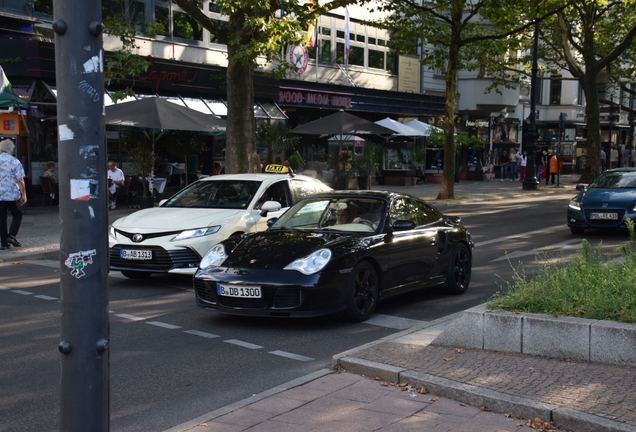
[462,404]
[402,385]
[485,409]
[448,359]
[422,391]
[204,424]
[378,379]
[433,399]
[460,350]
[383,384]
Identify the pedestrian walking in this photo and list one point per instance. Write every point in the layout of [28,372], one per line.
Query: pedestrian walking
[625,160]
[603,159]
[613,157]
[538,162]
[12,195]
[514,164]
[489,163]
[523,164]
[553,167]
[503,163]
[116,179]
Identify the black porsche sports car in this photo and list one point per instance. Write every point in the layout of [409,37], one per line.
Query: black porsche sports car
[341,251]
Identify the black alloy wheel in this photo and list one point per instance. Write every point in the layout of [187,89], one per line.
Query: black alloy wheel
[362,292]
[459,269]
[131,274]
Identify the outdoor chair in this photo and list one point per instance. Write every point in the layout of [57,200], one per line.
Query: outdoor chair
[122,191]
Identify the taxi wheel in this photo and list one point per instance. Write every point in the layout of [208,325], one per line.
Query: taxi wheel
[459,269]
[362,293]
[135,274]
[577,230]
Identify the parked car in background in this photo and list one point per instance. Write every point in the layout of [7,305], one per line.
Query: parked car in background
[334,252]
[173,237]
[605,203]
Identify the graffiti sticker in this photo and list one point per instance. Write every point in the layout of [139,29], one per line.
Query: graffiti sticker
[78,260]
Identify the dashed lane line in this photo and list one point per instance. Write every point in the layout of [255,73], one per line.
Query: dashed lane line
[4,288]
[522,235]
[291,356]
[130,317]
[202,334]
[22,292]
[45,297]
[243,344]
[164,325]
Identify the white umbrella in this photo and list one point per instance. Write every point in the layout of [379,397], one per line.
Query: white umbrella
[423,127]
[400,129]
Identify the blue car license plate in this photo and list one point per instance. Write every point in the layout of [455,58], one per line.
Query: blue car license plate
[604,216]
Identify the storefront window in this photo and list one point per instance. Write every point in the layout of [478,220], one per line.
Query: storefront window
[398,157]
[376,59]
[186,27]
[137,16]
[162,17]
[325,51]
[356,56]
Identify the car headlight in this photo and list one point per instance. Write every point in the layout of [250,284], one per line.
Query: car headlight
[575,204]
[312,263]
[112,233]
[199,232]
[214,257]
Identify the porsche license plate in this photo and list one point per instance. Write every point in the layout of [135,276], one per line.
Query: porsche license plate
[604,216]
[135,254]
[238,291]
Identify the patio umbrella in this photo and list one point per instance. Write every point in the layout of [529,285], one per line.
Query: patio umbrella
[157,113]
[400,129]
[423,127]
[341,123]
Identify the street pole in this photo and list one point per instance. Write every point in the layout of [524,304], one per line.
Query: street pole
[530,182]
[84,335]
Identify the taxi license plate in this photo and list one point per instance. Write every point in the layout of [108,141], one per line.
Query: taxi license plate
[238,291]
[604,216]
[135,254]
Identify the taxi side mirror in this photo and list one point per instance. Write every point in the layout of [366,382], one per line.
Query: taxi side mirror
[270,206]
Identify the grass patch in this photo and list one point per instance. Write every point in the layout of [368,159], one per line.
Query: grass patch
[593,286]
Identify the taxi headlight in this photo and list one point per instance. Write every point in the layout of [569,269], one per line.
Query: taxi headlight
[214,257]
[575,204]
[312,263]
[199,232]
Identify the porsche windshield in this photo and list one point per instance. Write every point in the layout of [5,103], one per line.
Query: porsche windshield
[352,214]
[615,180]
[216,194]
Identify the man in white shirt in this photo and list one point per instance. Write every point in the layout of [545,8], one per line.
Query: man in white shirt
[115,179]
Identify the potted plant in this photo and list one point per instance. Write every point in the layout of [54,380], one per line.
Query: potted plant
[374,152]
[140,153]
[340,162]
[364,166]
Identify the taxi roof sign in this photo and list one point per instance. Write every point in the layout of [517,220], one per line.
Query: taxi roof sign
[276,169]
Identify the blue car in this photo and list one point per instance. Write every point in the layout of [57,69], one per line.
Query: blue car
[605,203]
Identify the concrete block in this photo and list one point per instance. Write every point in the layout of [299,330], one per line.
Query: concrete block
[613,343]
[583,422]
[371,369]
[502,332]
[465,331]
[560,337]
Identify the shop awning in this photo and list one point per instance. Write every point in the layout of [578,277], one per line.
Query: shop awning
[9,99]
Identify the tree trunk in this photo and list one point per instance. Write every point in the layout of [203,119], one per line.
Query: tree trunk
[447,190]
[593,152]
[240,139]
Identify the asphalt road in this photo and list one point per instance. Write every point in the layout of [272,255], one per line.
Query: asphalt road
[171,362]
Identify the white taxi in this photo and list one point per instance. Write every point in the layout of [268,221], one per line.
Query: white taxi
[173,237]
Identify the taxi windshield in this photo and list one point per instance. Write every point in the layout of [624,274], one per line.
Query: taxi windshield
[216,194]
[350,214]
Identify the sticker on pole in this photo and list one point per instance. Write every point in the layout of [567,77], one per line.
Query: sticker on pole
[78,261]
[84,189]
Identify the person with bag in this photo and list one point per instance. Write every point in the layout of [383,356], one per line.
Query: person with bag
[489,164]
[514,164]
[503,162]
[12,194]
[523,164]
[553,167]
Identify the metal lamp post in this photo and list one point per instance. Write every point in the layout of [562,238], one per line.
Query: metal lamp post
[530,182]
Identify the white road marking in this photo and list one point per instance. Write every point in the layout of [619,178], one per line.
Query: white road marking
[243,344]
[291,356]
[45,297]
[202,334]
[22,292]
[558,246]
[4,288]
[130,317]
[393,322]
[164,325]
[522,235]
[46,263]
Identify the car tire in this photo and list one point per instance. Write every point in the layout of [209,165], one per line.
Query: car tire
[131,274]
[362,292]
[459,269]
[577,230]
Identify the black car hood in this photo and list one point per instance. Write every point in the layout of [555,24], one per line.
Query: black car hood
[277,249]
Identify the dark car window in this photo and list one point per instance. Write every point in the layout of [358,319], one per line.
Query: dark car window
[427,214]
[415,211]
[279,192]
[230,194]
[615,180]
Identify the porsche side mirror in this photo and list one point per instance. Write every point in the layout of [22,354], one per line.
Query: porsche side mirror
[403,225]
[271,222]
[580,187]
[270,206]
[454,219]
